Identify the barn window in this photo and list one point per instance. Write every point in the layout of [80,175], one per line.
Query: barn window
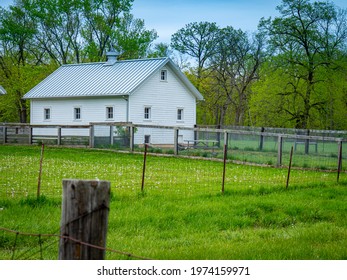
[180,114]
[109,113]
[163,75]
[147,139]
[77,113]
[147,113]
[47,114]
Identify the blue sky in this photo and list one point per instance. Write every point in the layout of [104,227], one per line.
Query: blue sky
[167,17]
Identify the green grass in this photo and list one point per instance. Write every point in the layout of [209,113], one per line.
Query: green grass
[182,213]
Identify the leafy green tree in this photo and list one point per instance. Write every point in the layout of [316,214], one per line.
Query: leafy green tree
[234,67]
[199,41]
[306,39]
[16,37]
[59,24]
[102,18]
[132,38]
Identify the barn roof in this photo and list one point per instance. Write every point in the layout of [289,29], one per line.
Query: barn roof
[2,90]
[103,79]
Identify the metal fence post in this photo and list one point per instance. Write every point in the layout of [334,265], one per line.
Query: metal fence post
[176,141]
[111,135]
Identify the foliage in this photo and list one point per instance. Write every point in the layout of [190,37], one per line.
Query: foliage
[307,41]
[37,36]
[289,73]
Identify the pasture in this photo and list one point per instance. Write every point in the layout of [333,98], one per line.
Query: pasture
[181,214]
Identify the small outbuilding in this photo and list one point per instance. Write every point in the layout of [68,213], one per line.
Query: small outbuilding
[142,91]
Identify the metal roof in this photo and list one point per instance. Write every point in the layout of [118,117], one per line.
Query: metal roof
[2,90]
[102,79]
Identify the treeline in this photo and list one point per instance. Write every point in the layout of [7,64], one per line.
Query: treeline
[36,36]
[291,72]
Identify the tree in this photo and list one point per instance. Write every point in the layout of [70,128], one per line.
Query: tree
[306,39]
[102,18]
[234,67]
[132,38]
[16,37]
[199,41]
[38,35]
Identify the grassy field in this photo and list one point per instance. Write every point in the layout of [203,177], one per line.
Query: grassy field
[182,213]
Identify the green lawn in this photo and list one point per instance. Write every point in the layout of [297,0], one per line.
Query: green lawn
[182,213]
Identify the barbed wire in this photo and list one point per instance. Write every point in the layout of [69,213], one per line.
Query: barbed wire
[40,235]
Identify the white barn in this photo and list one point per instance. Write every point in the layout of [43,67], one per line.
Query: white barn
[142,91]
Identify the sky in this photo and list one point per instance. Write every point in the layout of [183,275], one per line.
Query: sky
[167,17]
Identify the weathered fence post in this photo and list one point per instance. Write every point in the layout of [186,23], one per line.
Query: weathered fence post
[5,135]
[279,150]
[261,142]
[339,159]
[30,135]
[84,219]
[307,142]
[59,136]
[91,136]
[132,135]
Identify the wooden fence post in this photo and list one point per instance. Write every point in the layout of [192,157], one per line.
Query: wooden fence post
[307,142]
[279,150]
[5,135]
[132,135]
[91,136]
[261,142]
[339,159]
[84,218]
[30,135]
[59,136]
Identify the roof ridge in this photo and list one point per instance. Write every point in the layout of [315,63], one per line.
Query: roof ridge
[118,61]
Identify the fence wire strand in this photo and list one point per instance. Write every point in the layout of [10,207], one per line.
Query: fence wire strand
[41,249]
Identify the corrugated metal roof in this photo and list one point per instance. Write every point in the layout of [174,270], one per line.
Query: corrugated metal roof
[96,79]
[2,90]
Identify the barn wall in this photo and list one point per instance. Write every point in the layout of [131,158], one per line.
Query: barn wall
[92,110]
[164,98]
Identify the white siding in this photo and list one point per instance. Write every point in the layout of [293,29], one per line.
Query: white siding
[62,110]
[164,98]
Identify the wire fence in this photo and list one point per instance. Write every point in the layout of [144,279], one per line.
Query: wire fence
[21,174]
[41,245]
[317,158]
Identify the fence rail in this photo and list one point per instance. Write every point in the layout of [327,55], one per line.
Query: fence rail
[312,149]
